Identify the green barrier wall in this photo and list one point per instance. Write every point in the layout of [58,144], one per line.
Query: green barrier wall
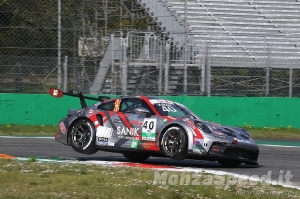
[41,109]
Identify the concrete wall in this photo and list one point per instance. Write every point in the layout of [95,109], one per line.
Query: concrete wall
[41,109]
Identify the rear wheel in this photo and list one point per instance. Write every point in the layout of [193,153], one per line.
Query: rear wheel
[136,157]
[229,163]
[174,143]
[82,137]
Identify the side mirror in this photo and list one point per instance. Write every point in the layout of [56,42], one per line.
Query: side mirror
[142,111]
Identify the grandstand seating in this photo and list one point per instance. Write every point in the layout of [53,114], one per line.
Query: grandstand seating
[221,33]
[240,28]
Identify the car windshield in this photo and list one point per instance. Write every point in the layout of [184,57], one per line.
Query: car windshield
[189,113]
[169,108]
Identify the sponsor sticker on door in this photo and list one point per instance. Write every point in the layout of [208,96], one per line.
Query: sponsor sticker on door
[149,129]
[134,144]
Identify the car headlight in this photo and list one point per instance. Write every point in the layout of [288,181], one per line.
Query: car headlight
[202,127]
[247,133]
[199,125]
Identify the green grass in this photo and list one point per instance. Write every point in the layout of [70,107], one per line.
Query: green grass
[28,130]
[50,130]
[275,133]
[49,180]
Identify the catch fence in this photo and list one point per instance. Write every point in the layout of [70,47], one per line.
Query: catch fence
[98,47]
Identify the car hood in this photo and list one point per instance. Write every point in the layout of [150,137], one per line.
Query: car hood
[228,131]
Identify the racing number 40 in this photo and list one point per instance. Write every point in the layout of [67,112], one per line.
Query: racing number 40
[149,125]
[149,129]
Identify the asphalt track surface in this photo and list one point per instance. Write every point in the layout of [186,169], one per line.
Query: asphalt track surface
[271,158]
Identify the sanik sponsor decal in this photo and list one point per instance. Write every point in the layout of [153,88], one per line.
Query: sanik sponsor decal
[127,131]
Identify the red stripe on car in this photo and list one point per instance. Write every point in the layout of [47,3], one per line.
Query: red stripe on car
[123,118]
[94,119]
[151,105]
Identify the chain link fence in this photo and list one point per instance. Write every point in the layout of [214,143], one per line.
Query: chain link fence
[119,47]
[54,43]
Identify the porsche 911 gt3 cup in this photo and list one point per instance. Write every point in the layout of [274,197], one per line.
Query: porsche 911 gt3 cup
[141,126]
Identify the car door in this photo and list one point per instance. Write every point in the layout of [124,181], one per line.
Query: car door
[120,128]
[135,129]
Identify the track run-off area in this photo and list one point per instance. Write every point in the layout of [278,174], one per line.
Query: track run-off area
[277,159]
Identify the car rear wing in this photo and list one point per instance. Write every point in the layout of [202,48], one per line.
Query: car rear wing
[58,93]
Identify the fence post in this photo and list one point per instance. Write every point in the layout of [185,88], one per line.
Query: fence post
[58,43]
[268,70]
[291,83]
[185,49]
[124,66]
[160,62]
[65,74]
[167,66]
[202,59]
[208,70]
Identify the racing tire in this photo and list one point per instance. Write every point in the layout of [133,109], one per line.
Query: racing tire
[229,163]
[173,143]
[136,157]
[83,136]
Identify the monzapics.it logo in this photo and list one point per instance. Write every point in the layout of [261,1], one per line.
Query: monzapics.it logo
[217,179]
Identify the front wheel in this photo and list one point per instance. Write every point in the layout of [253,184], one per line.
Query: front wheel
[82,137]
[174,143]
[136,157]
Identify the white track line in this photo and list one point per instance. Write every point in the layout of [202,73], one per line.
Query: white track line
[271,145]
